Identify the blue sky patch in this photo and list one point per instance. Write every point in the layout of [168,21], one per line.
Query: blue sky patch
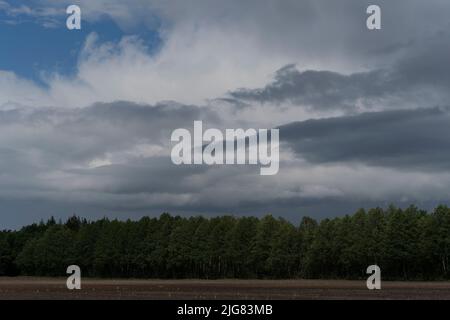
[32,49]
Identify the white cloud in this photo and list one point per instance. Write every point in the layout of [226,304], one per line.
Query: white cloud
[15,91]
[210,47]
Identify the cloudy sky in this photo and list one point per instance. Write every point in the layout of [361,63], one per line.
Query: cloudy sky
[86,116]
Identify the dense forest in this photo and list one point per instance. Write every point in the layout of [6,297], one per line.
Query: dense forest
[405,243]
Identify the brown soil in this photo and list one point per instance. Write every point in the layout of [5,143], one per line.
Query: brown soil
[55,288]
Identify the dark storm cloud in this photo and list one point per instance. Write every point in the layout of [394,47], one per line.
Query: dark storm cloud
[145,175]
[321,90]
[400,139]
[38,168]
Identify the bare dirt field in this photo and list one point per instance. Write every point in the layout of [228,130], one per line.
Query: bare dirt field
[55,288]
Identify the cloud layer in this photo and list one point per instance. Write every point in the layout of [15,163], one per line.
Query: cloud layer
[363,116]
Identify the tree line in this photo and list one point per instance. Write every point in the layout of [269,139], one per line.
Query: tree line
[405,243]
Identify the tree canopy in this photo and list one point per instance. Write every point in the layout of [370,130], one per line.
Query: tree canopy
[406,244]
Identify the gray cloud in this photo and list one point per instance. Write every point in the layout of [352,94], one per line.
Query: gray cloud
[418,78]
[322,90]
[402,139]
[88,149]
[60,135]
[47,156]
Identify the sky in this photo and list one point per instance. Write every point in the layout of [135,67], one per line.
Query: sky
[86,115]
